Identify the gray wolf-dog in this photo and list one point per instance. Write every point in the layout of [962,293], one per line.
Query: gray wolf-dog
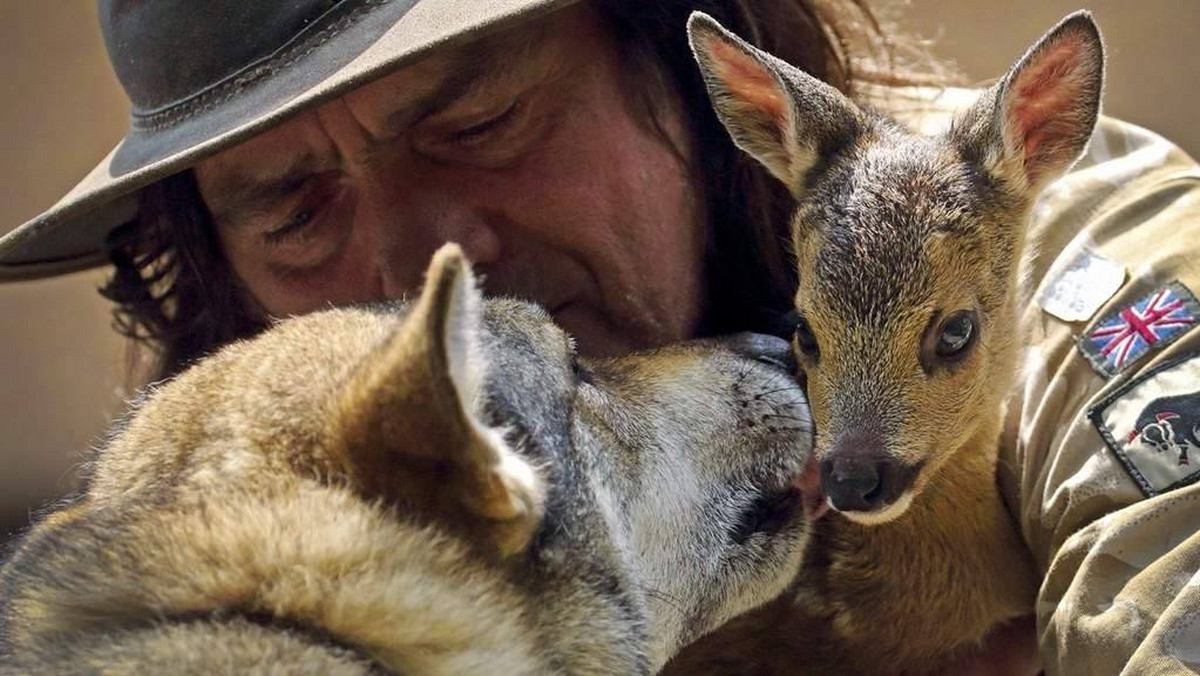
[908,249]
[433,488]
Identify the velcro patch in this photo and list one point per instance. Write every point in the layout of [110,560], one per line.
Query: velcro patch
[1154,321]
[1152,424]
[1077,289]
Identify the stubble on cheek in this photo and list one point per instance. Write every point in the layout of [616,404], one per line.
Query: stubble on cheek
[666,226]
[618,174]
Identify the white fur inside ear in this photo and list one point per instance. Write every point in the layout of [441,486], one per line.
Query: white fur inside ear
[510,489]
[467,363]
[464,352]
[523,482]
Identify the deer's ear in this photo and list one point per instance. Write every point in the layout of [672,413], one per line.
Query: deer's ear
[778,114]
[409,425]
[1035,122]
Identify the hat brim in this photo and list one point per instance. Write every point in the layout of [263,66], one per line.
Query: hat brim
[70,236]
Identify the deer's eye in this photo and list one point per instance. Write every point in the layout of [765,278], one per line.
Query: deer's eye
[805,339]
[956,335]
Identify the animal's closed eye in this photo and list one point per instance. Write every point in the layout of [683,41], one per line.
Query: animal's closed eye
[767,514]
[582,373]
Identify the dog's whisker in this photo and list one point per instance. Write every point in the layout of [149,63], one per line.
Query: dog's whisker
[673,602]
[786,417]
[777,390]
[791,429]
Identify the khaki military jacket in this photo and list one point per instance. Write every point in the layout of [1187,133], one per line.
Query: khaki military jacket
[1100,460]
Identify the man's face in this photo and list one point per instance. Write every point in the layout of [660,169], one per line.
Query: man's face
[527,150]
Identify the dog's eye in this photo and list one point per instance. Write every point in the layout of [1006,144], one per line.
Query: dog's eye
[582,373]
[956,335]
[769,513]
[805,339]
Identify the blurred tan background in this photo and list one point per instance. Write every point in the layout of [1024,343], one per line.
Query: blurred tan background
[62,111]
[62,366]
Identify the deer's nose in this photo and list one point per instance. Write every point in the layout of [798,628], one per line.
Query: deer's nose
[852,484]
[858,476]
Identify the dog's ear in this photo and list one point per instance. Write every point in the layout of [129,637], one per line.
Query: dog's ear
[1034,123]
[783,117]
[408,422]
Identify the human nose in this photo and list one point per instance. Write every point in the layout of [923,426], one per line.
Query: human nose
[411,213]
[408,206]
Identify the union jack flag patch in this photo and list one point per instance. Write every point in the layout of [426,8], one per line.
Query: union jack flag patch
[1154,321]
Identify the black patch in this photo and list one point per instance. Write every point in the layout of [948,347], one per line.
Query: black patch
[1160,445]
[768,513]
[1171,424]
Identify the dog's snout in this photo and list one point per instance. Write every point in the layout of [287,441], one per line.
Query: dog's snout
[858,476]
[765,348]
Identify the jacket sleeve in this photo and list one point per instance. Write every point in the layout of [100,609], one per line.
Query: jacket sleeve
[1100,459]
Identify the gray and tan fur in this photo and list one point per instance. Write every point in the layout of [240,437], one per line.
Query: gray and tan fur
[908,249]
[435,488]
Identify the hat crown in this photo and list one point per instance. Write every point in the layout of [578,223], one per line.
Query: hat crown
[204,75]
[165,52]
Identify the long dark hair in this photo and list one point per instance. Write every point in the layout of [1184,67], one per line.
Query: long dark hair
[175,294]
[173,289]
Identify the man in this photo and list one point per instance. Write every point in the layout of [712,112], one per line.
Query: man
[570,150]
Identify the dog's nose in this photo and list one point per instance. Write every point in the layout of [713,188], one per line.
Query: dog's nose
[765,348]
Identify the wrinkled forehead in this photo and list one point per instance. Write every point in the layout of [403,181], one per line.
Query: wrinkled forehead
[874,215]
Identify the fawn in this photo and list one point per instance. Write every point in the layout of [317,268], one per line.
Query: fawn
[906,333]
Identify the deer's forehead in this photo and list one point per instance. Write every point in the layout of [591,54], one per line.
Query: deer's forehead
[872,289]
[905,189]
[875,218]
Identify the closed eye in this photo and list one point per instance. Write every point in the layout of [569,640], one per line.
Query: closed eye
[769,513]
[292,227]
[481,129]
[582,373]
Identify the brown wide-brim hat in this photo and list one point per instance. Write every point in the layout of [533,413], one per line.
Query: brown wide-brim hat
[205,75]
